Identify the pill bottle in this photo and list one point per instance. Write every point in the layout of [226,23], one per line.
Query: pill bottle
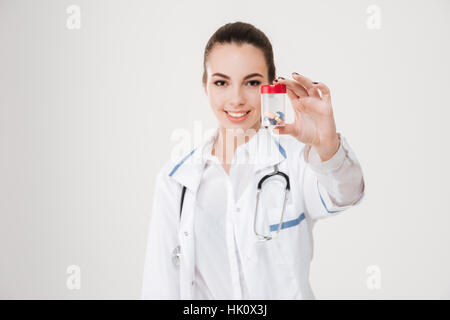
[273,105]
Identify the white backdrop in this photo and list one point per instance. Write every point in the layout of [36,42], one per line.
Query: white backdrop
[87,113]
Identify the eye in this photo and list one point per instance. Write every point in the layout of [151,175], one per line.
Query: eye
[256,83]
[219,85]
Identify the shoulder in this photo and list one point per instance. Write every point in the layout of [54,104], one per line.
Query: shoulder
[171,166]
[164,185]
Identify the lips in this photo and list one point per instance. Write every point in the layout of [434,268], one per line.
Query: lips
[237,116]
[237,113]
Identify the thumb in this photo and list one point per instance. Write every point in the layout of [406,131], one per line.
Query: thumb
[289,128]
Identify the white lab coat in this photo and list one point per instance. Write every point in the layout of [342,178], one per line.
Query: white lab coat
[275,269]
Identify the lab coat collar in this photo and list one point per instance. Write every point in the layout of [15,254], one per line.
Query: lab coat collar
[264,150]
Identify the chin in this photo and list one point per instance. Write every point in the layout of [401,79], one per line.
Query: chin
[246,125]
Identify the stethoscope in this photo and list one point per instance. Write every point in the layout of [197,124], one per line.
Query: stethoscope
[260,237]
[287,189]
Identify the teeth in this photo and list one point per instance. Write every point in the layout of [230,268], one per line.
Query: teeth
[237,115]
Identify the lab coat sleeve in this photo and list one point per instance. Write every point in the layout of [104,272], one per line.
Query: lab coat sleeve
[161,276]
[334,185]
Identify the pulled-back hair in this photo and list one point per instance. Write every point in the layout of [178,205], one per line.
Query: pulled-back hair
[240,33]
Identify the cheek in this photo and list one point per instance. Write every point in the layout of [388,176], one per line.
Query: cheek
[215,102]
[218,99]
[257,100]
[254,99]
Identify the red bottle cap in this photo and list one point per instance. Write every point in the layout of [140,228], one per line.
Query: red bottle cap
[276,88]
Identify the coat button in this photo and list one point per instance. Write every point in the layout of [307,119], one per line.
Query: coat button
[238,209]
[186,233]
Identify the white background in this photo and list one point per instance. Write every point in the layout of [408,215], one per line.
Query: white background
[87,115]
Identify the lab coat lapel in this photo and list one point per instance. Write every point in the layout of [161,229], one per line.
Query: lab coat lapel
[188,172]
[266,151]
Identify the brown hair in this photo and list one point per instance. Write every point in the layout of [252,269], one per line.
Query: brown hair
[240,33]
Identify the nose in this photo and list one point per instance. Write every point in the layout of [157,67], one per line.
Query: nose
[237,97]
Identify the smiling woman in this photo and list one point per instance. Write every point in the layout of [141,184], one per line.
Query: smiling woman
[234,189]
[238,59]
[233,92]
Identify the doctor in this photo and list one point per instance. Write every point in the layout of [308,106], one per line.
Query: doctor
[210,250]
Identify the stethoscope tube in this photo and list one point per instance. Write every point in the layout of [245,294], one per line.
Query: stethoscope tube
[276,172]
[262,237]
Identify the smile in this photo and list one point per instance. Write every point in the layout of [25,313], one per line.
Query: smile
[237,116]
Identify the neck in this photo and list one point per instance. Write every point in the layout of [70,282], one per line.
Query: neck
[229,139]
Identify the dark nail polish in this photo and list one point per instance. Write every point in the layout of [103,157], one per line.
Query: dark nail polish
[275,80]
[281,78]
[295,73]
[315,82]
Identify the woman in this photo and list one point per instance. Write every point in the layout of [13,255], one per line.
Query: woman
[203,241]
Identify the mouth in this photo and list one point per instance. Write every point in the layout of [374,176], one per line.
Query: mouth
[237,116]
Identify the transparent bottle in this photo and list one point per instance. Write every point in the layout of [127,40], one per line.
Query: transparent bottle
[273,105]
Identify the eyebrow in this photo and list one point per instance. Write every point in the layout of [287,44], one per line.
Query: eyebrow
[251,75]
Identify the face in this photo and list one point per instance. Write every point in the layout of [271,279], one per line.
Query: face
[235,74]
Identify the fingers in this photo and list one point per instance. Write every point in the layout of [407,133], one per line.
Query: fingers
[304,81]
[295,102]
[291,94]
[302,87]
[325,91]
[310,86]
[289,128]
[307,104]
[294,86]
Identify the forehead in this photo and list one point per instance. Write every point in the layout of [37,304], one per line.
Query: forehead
[234,59]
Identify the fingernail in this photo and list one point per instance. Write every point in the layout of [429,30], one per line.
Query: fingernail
[295,73]
[275,80]
[315,82]
[281,78]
